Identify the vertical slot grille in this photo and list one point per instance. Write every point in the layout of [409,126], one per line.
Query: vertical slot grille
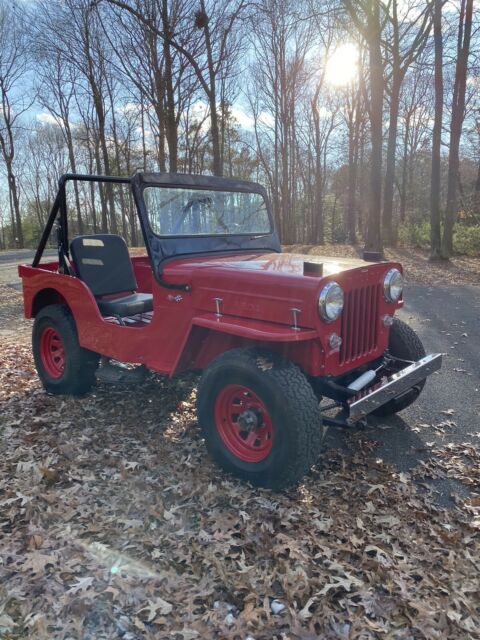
[360,323]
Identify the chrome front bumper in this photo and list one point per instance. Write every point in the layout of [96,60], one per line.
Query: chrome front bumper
[396,385]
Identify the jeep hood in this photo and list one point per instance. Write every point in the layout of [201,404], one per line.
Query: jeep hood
[291,264]
[266,286]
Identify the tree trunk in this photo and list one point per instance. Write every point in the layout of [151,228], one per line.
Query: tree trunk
[361,182]
[13,226]
[215,133]
[170,118]
[97,99]
[212,100]
[118,163]
[8,153]
[12,185]
[318,225]
[373,241]
[403,186]
[354,122]
[157,98]
[458,114]
[103,202]
[73,165]
[108,187]
[132,212]
[391,157]
[435,238]
[476,195]
[352,190]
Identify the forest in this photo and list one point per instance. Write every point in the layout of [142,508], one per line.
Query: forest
[361,117]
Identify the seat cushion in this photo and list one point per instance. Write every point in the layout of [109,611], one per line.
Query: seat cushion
[126,305]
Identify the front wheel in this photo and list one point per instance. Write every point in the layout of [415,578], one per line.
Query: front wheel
[406,345]
[260,417]
[62,364]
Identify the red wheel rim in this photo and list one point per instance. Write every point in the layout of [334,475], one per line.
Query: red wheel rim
[52,352]
[243,423]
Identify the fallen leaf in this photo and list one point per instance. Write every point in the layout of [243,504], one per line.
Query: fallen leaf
[156,607]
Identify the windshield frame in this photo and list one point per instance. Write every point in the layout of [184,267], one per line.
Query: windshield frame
[220,189]
[162,249]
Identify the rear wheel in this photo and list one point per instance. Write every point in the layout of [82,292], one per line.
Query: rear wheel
[62,364]
[405,344]
[260,417]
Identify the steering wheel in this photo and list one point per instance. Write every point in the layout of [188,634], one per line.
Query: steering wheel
[188,208]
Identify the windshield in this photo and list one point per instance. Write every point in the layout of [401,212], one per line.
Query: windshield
[175,211]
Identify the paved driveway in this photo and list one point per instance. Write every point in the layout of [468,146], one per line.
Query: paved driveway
[9,261]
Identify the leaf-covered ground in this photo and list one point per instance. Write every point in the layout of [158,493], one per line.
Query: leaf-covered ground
[416,266]
[114,523]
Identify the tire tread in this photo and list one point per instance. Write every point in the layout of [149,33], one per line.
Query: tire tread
[299,396]
[83,362]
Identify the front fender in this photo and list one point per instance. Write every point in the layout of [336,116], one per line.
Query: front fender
[253,329]
[211,335]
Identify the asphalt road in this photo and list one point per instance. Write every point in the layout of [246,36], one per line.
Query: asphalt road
[9,261]
[447,319]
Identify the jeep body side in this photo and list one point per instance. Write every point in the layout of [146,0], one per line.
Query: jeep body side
[255,295]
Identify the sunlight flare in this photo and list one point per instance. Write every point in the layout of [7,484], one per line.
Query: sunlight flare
[342,66]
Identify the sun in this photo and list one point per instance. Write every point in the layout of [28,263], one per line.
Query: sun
[342,65]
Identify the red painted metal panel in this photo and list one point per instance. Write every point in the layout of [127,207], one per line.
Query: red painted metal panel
[257,295]
[360,323]
[143,273]
[254,329]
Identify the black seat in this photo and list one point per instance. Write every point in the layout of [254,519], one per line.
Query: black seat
[126,305]
[103,263]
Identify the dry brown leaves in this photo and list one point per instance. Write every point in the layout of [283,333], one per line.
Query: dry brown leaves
[417,268]
[455,460]
[12,323]
[115,524]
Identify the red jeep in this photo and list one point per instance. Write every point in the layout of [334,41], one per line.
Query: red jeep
[273,333]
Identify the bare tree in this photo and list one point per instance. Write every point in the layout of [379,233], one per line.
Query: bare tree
[456,122]
[56,88]
[14,58]
[354,116]
[435,191]
[368,17]
[152,68]
[279,76]
[72,29]
[415,131]
[405,41]
[216,25]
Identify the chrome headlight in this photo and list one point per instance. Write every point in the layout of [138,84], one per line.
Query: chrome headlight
[393,285]
[330,302]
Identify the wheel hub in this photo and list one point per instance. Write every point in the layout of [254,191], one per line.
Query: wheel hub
[248,420]
[243,423]
[52,352]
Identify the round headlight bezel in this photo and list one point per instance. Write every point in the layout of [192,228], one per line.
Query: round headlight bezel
[389,284]
[330,289]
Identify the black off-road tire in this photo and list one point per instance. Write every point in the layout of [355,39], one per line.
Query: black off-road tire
[80,364]
[404,343]
[292,409]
